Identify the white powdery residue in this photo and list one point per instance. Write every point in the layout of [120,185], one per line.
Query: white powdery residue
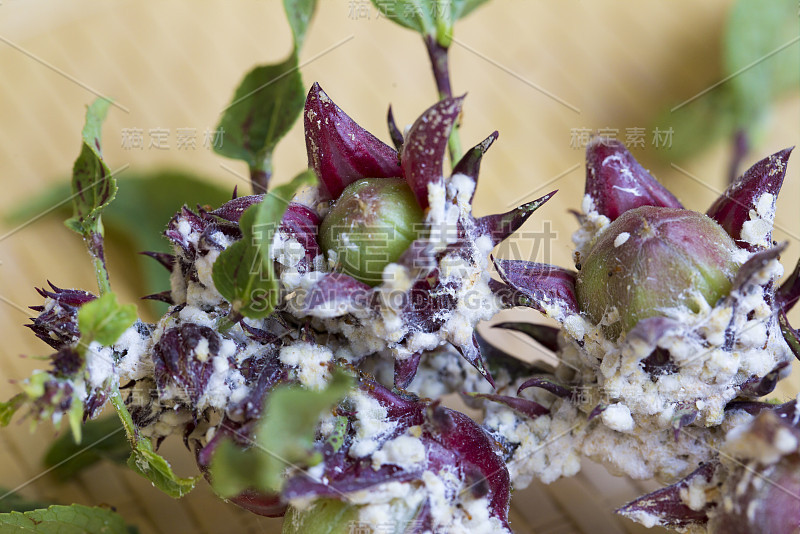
[454,266]
[185,229]
[392,503]
[403,451]
[442,217]
[169,422]
[576,326]
[99,364]
[217,390]
[371,424]
[461,188]
[286,250]
[204,292]
[694,495]
[395,277]
[618,417]
[621,239]
[756,230]
[193,314]
[592,225]
[422,341]
[134,363]
[311,361]
[177,283]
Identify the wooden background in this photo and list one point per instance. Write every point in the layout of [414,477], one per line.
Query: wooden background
[534,70]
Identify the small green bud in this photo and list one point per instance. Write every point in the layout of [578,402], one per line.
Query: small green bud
[651,259]
[370,225]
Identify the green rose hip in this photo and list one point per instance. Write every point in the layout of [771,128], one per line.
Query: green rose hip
[652,259]
[370,225]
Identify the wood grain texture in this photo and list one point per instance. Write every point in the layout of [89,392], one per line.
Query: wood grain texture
[526,67]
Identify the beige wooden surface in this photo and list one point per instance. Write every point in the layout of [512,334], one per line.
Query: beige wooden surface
[534,70]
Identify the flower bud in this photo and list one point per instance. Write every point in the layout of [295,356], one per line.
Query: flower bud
[371,224]
[652,259]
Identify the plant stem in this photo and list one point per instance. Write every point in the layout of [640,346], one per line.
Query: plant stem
[441,74]
[260,175]
[94,242]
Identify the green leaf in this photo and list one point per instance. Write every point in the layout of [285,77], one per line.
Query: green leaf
[758,66]
[285,437]
[74,519]
[75,417]
[14,502]
[336,439]
[756,31]
[105,439]
[266,104]
[429,18]
[104,320]
[157,470]
[243,273]
[161,192]
[299,13]
[145,461]
[10,407]
[697,125]
[93,187]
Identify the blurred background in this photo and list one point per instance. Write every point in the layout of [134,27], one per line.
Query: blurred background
[676,81]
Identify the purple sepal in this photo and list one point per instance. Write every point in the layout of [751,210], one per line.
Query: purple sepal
[336,294]
[394,131]
[732,209]
[659,362]
[425,145]
[339,150]
[666,504]
[547,336]
[540,283]
[472,353]
[791,335]
[470,163]
[453,443]
[597,410]
[548,384]
[650,330]
[405,370]
[755,263]
[176,360]
[58,326]
[616,182]
[262,336]
[528,408]
[760,386]
[232,210]
[789,292]
[475,451]
[510,297]
[163,296]
[684,415]
[502,225]
[173,233]
[787,411]
[166,260]
[302,223]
